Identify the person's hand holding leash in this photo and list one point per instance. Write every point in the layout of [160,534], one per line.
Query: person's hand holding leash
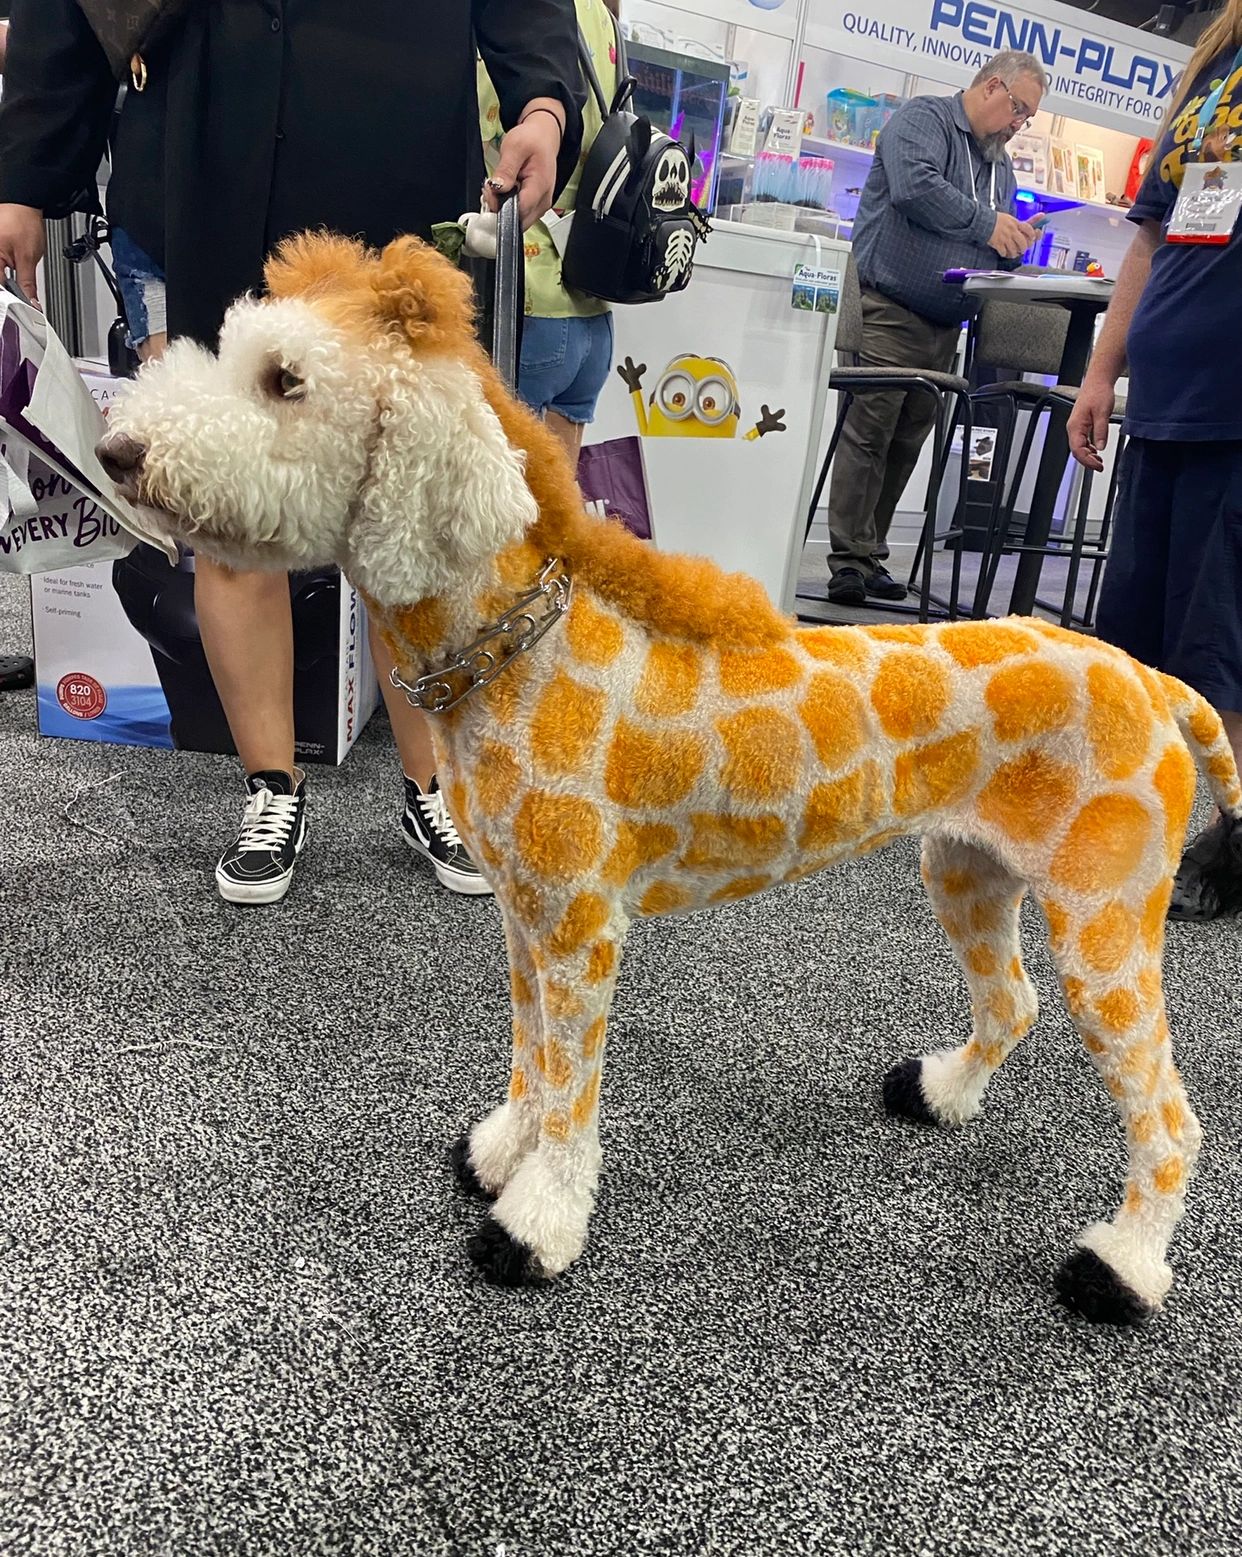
[528,160]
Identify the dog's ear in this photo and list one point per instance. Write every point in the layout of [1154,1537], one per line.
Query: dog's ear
[316,264]
[417,288]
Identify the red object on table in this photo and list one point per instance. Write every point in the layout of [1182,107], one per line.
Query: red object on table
[1138,168]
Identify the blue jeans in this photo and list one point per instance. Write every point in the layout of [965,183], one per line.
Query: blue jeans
[565,364]
[142,289]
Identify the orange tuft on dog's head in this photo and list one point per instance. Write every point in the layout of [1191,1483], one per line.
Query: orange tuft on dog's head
[406,287]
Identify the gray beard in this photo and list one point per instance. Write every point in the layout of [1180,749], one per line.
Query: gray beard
[994,147]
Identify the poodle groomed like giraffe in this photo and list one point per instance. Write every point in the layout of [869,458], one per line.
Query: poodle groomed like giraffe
[628,734]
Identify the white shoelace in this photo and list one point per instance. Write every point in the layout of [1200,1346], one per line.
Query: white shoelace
[267,822]
[436,812]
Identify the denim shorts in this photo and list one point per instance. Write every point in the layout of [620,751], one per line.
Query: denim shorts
[565,364]
[142,289]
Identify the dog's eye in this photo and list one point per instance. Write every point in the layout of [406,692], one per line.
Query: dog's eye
[283,383]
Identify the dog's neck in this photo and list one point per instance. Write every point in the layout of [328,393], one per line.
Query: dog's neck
[426,634]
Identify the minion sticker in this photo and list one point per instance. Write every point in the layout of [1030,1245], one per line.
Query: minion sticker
[696,397]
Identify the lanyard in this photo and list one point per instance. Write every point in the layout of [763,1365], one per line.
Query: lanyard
[974,183]
[1208,112]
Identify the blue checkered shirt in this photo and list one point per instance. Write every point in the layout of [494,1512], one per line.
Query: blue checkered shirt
[929,205]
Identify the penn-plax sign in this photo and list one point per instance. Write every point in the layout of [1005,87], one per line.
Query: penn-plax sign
[1104,73]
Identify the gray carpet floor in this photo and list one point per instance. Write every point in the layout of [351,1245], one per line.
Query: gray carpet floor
[235,1312]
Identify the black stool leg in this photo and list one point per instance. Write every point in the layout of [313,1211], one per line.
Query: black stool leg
[1097,565]
[1076,546]
[994,539]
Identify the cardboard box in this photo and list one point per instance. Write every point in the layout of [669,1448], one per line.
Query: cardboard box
[118,657]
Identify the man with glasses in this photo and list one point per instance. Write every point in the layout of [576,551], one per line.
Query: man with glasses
[939,197]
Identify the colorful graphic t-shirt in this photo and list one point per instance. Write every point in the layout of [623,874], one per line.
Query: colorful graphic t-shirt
[547,296]
[1183,342]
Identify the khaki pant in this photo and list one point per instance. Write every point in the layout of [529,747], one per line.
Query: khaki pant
[883,433]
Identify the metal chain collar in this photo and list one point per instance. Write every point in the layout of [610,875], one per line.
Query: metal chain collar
[519,629]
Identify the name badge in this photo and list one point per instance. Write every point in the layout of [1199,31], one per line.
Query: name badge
[1207,204]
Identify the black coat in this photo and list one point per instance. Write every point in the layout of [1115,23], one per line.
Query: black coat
[264,117]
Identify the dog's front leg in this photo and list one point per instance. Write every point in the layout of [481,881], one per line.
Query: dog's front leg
[538,1225]
[488,1156]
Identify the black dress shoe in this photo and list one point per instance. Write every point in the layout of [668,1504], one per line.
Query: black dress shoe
[883,586]
[847,587]
[1208,884]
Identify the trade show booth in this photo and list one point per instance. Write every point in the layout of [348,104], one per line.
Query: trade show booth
[807,87]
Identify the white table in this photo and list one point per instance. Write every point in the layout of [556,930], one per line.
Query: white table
[740,501]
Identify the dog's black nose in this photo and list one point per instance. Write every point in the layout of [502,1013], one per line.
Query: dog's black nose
[122,457]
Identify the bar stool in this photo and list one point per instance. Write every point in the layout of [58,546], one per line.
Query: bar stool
[1028,339]
[850,379]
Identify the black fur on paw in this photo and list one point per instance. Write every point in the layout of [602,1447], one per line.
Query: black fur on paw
[903,1093]
[1092,1288]
[463,1171]
[503,1259]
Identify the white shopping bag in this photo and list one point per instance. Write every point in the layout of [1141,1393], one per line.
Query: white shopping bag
[57,506]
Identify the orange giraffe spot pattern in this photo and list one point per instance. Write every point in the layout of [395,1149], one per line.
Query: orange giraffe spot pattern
[986,643]
[558,837]
[585,917]
[499,779]
[835,716]
[593,1038]
[637,845]
[763,754]
[752,673]
[1030,698]
[910,694]
[1104,845]
[601,962]
[565,726]
[670,682]
[725,842]
[937,775]
[830,646]
[664,897]
[743,886]
[653,771]
[1119,719]
[1174,781]
[595,637]
[838,810]
[1108,939]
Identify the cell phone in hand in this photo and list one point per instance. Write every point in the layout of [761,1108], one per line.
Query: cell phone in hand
[1040,219]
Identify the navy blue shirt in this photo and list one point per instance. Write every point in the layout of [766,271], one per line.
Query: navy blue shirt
[1183,343]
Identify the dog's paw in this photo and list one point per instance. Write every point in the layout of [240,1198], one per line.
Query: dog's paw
[503,1260]
[1089,1286]
[903,1093]
[463,1171]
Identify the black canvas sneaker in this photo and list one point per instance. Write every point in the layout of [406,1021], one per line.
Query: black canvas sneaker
[259,866]
[427,827]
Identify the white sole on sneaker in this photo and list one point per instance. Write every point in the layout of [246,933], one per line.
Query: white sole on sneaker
[472,885]
[261,891]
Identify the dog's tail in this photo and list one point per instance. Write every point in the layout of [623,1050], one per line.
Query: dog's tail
[1204,733]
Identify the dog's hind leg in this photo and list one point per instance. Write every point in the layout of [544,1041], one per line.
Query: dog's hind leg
[977,902]
[1109,962]
[486,1159]
[538,1225]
